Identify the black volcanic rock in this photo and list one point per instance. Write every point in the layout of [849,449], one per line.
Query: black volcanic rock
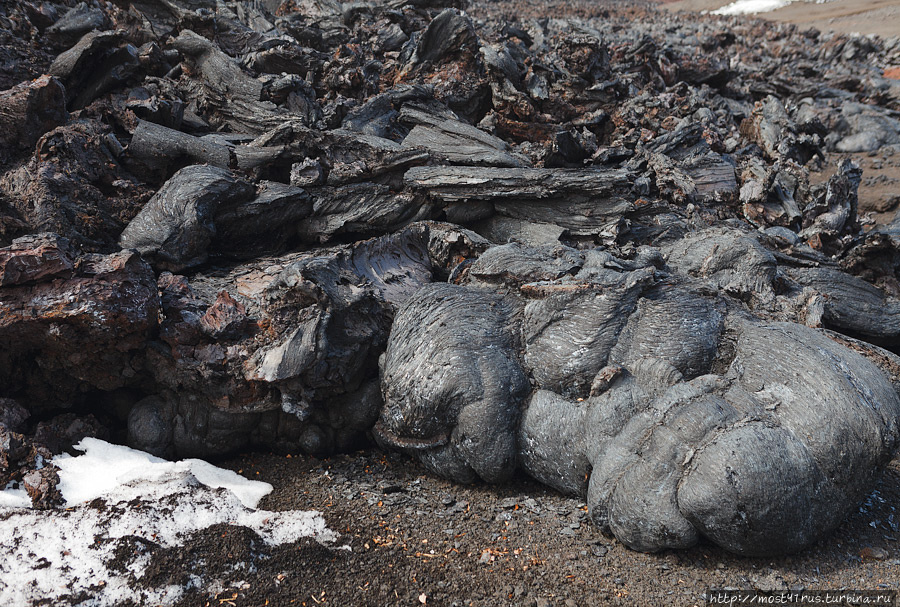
[596,245]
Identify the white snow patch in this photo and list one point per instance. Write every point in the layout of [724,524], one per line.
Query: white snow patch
[80,480]
[752,7]
[13,497]
[54,554]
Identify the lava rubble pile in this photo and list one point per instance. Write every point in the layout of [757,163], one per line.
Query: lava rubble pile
[578,240]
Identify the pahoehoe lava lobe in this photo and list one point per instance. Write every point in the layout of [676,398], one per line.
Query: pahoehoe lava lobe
[588,246]
[674,411]
[462,419]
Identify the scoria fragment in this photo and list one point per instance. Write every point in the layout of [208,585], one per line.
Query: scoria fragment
[85,324]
